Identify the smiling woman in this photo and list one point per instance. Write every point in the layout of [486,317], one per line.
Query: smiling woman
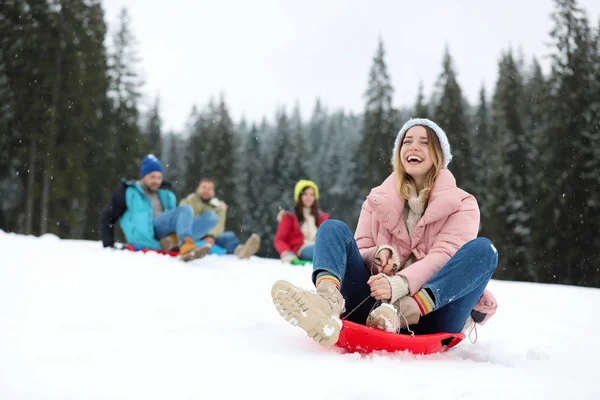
[415,249]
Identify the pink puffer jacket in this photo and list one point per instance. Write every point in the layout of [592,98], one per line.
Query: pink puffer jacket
[450,220]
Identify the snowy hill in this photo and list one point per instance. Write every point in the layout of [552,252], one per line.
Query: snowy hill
[78,321]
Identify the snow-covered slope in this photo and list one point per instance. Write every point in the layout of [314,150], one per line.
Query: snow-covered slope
[78,321]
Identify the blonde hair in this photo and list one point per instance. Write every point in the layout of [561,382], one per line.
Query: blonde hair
[405,183]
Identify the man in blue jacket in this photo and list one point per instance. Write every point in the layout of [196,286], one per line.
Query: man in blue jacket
[147,211]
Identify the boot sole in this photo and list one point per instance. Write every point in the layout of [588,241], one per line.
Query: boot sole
[195,254]
[295,309]
[250,247]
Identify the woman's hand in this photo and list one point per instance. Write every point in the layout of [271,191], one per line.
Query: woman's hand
[384,263]
[287,256]
[380,287]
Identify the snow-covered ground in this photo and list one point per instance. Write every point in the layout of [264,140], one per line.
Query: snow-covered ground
[81,322]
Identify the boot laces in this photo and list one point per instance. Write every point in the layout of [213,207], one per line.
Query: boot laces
[333,300]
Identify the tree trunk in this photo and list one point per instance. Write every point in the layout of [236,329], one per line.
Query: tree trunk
[52,135]
[30,188]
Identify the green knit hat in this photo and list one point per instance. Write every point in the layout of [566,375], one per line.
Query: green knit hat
[303,184]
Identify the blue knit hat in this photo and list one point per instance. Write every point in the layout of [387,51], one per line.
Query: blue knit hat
[439,132]
[151,164]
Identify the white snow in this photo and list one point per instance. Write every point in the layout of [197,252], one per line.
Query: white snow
[328,330]
[78,321]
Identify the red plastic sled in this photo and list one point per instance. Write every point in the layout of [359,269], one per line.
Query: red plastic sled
[362,339]
[145,250]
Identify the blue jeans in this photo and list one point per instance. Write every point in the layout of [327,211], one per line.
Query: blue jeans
[182,222]
[457,286]
[307,253]
[228,240]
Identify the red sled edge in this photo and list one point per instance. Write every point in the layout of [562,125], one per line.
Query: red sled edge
[145,250]
[357,338]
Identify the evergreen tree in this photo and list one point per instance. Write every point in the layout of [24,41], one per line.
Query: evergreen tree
[508,222]
[53,63]
[482,146]
[284,171]
[76,101]
[421,108]
[316,134]
[338,191]
[451,116]
[196,153]
[98,124]
[10,186]
[26,41]
[535,107]
[222,165]
[300,155]
[329,179]
[251,184]
[125,94]
[378,129]
[153,130]
[568,203]
[266,197]
[211,153]
[174,163]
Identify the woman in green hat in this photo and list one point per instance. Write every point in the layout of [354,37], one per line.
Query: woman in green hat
[297,229]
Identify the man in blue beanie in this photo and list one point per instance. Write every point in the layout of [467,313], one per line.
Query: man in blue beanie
[148,214]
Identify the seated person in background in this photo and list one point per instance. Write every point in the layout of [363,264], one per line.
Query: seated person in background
[147,212]
[205,201]
[297,230]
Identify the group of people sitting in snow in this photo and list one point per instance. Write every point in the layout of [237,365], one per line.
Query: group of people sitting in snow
[414,263]
[150,217]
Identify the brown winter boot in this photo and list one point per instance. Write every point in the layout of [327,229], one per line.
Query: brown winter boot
[188,251]
[169,242]
[316,313]
[249,248]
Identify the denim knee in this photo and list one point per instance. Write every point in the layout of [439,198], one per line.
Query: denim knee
[227,235]
[334,225]
[483,249]
[186,210]
[211,217]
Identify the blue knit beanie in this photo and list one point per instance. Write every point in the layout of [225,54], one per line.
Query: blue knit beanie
[150,164]
[439,132]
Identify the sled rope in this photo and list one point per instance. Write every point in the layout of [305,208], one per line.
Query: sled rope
[361,303]
[474,328]
[375,305]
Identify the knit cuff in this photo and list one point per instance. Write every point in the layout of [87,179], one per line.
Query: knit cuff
[395,256]
[399,286]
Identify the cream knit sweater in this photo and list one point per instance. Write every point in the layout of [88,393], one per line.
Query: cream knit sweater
[413,212]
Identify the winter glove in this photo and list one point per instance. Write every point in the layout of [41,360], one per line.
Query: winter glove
[287,256]
[215,202]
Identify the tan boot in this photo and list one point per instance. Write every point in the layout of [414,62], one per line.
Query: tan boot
[391,318]
[188,251]
[168,242]
[316,313]
[408,311]
[249,248]
[385,317]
